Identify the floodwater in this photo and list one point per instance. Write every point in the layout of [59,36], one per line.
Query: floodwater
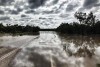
[50,49]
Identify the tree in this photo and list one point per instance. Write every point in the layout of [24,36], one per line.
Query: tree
[90,20]
[80,16]
[85,19]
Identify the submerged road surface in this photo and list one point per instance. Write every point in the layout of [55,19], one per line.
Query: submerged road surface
[7,55]
[46,50]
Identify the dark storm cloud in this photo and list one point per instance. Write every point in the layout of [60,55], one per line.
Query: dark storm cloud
[90,3]
[48,12]
[5,2]
[17,11]
[55,1]
[64,15]
[4,18]
[35,12]
[14,12]
[1,12]
[62,4]
[36,3]
[29,11]
[23,15]
[71,7]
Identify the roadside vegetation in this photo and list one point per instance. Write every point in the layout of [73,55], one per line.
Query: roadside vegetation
[88,24]
[19,30]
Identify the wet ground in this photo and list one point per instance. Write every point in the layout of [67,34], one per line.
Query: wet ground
[50,49]
[7,54]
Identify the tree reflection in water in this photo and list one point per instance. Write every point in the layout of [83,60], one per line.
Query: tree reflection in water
[82,47]
[47,50]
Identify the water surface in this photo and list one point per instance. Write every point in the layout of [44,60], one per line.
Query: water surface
[48,50]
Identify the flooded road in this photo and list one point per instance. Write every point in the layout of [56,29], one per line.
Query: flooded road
[50,49]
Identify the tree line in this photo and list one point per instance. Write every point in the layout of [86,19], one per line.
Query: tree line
[13,29]
[88,24]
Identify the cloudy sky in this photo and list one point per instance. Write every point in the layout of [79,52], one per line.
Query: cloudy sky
[44,13]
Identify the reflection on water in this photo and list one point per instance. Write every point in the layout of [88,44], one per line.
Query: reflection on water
[50,49]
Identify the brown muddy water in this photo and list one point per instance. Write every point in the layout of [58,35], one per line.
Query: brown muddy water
[50,49]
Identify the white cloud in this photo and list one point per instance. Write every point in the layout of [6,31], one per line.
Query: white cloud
[50,13]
